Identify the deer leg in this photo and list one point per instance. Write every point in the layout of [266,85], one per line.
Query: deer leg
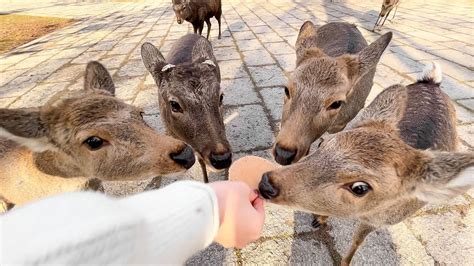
[318,220]
[396,8]
[195,28]
[154,183]
[201,27]
[204,171]
[5,205]
[376,23]
[208,23]
[385,18]
[218,17]
[94,184]
[357,240]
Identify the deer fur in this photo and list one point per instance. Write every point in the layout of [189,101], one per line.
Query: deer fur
[190,78]
[402,146]
[198,11]
[334,74]
[387,7]
[45,150]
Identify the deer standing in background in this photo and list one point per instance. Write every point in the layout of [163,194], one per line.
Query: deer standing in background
[387,7]
[190,98]
[334,73]
[397,155]
[198,11]
[78,139]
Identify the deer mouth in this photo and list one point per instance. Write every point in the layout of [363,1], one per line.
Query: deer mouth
[180,21]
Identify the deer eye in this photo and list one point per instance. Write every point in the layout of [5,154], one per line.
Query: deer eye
[359,188]
[175,107]
[287,92]
[94,143]
[335,105]
[221,99]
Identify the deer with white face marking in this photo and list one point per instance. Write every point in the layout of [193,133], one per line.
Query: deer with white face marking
[78,139]
[334,73]
[387,7]
[397,155]
[190,98]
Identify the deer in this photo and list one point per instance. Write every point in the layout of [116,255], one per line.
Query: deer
[79,138]
[190,98]
[387,7]
[198,11]
[334,74]
[394,157]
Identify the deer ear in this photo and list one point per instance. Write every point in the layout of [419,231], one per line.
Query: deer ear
[98,78]
[203,50]
[25,127]
[306,36]
[153,60]
[446,175]
[370,56]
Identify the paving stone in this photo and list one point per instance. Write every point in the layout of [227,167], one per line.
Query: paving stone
[265,76]
[68,73]
[231,69]
[273,98]
[249,129]
[257,58]
[215,254]
[122,48]
[88,56]
[409,249]
[455,89]
[444,234]
[113,61]
[126,88]
[5,102]
[19,85]
[466,133]
[269,37]
[287,61]
[39,95]
[249,45]
[148,100]
[278,48]
[132,69]
[469,104]
[226,53]
[243,35]
[239,91]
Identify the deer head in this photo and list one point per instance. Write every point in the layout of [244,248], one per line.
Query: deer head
[91,133]
[318,91]
[369,173]
[190,100]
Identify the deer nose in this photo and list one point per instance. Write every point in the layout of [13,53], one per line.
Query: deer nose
[185,157]
[266,189]
[221,161]
[284,156]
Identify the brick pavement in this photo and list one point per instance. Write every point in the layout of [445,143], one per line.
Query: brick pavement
[255,54]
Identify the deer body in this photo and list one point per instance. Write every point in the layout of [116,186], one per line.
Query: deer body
[393,158]
[190,98]
[334,74]
[79,138]
[198,11]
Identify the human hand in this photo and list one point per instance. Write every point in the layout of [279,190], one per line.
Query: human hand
[241,213]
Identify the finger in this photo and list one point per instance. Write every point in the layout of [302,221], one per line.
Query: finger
[252,195]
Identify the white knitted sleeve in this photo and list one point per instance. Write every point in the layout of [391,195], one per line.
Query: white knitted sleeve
[155,227]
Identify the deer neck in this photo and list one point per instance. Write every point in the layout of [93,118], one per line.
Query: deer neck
[56,164]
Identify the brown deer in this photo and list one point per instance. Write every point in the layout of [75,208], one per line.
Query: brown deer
[79,138]
[397,155]
[198,11]
[387,7]
[190,98]
[334,74]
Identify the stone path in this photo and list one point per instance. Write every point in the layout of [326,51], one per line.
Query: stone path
[255,54]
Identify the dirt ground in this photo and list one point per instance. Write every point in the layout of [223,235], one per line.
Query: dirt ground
[20,29]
